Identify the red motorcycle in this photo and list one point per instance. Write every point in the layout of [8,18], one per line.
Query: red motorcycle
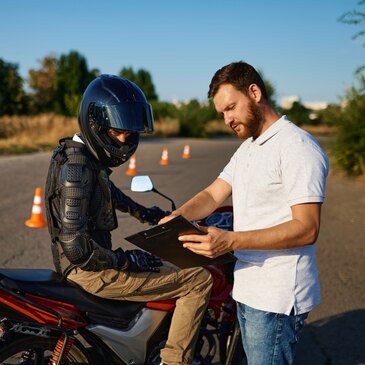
[44,319]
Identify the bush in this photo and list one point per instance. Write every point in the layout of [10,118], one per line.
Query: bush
[194,118]
[349,146]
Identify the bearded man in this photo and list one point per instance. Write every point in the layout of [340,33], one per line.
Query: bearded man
[277,181]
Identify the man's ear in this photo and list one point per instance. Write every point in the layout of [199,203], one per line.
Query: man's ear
[255,92]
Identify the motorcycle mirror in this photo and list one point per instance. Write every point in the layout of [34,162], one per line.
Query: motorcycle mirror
[141,184]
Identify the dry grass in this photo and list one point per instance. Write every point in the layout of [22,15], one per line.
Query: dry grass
[217,127]
[166,127]
[23,134]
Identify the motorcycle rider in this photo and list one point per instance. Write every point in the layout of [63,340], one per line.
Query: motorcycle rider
[80,202]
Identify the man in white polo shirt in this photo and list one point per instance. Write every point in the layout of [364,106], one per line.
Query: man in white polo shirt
[277,180]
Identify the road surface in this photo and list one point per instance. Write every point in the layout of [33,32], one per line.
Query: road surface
[335,330]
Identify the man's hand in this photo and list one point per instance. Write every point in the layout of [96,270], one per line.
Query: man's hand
[214,243]
[167,218]
[140,261]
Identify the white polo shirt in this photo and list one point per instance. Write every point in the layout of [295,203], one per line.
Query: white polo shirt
[283,167]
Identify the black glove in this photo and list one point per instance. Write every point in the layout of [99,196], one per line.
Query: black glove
[153,215]
[139,261]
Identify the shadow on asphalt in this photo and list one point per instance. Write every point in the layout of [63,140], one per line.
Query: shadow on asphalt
[337,340]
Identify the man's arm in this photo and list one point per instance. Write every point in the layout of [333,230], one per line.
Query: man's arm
[302,230]
[203,203]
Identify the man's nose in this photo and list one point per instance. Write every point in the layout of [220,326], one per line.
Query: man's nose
[227,119]
[121,137]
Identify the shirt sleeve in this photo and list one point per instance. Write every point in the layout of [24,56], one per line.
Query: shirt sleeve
[304,171]
[227,173]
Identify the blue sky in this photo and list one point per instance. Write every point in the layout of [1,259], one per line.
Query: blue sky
[300,46]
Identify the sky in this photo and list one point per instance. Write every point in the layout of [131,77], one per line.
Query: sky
[301,47]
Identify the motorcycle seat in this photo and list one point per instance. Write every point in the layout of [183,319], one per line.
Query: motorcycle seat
[48,284]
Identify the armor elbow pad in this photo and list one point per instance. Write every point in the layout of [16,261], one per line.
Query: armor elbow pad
[85,253]
[76,248]
[101,258]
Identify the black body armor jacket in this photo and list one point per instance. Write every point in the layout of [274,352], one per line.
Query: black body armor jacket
[80,204]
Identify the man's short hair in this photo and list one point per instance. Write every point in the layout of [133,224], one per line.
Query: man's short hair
[238,74]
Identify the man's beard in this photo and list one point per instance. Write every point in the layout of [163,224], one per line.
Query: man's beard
[253,124]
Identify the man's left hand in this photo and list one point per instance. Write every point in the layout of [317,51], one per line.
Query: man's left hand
[214,243]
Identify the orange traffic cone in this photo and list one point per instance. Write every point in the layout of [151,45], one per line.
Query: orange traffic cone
[186,153]
[37,219]
[132,169]
[165,156]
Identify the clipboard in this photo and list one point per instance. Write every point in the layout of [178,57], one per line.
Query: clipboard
[162,241]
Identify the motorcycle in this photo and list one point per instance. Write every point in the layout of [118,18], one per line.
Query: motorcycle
[44,319]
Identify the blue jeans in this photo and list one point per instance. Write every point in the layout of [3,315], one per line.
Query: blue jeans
[269,338]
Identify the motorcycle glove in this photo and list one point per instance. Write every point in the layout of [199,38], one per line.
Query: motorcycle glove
[153,215]
[140,261]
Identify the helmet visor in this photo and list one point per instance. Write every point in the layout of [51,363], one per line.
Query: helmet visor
[132,117]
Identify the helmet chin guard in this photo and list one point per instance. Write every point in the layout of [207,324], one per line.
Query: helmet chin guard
[112,102]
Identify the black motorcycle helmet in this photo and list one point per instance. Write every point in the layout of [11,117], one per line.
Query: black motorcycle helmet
[112,102]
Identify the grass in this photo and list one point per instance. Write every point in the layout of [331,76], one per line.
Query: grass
[25,134]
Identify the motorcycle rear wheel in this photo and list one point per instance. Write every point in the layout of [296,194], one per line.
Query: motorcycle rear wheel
[12,351]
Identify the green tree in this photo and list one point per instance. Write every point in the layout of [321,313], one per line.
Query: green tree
[298,113]
[356,17]
[128,73]
[330,115]
[72,78]
[194,116]
[349,147]
[42,83]
[163,110]
[12,96]
[191,120]
[143,79]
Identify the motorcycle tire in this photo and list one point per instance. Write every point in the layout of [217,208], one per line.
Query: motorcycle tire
[14,351]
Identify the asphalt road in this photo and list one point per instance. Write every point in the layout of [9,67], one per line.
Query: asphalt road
[335,330]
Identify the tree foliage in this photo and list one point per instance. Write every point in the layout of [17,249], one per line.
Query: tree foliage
[163,110]
[143,79]
[72,78]
[349,147]
[298,113]
[330,115]
[42,82]
[12,96]
[193,117]
[356,17]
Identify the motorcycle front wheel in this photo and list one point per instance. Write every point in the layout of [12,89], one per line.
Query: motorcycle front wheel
[33,350]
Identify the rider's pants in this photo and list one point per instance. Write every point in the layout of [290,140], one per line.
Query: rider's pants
[191,286]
